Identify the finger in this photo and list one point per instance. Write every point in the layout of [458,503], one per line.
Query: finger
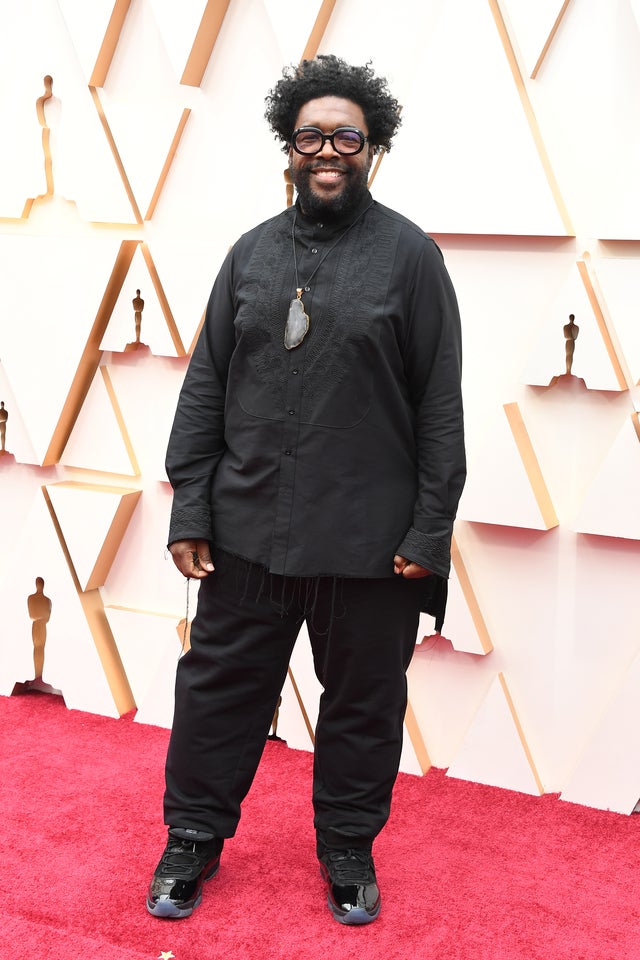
[185,553]
[399,563]
[413,571]
[202,558]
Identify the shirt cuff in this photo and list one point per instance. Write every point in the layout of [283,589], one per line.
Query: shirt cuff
[433,553]
[190,523]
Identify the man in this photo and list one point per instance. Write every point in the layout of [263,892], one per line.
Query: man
[317,461]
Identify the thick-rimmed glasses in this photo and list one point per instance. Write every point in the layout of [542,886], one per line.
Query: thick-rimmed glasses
[344,140]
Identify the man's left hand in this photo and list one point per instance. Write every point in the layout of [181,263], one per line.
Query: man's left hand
[409,569]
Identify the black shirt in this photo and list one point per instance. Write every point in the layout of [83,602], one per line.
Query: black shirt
[330,458]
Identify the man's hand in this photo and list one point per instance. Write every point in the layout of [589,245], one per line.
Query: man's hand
[409,569]
[192,558]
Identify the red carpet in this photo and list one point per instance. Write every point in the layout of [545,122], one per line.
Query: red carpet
[467,872]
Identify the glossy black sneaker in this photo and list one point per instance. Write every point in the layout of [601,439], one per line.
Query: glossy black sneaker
[352,892]
[190,858]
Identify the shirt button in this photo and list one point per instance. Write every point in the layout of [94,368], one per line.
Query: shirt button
[287,453]
[314,250]
[294,372]
[291,412]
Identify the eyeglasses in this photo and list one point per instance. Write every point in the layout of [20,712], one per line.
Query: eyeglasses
[344,140]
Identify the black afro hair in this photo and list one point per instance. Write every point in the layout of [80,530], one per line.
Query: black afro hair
[329,76]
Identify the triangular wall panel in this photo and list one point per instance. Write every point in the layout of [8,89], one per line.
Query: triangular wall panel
[108,449]
[494,750]
[505,190]
[293,22]
[83,167]
[71,661]
[93,520]
[93,28]
[607,775]
[188,269]
[146,135]
[149,649]
[155,333]
[178,26]
[534,27]
[133,376]
[515,495]
[611,507]
[619,280]
[53,355]
[594,360]
[465,625]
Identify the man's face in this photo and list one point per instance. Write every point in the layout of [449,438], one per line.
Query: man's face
[330,185]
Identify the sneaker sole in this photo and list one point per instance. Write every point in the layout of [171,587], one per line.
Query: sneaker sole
[356,917]
[353,918]
[168,910]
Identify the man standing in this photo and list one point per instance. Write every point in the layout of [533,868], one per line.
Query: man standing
[317,460]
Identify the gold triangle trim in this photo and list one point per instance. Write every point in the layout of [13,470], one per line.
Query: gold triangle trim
[205,40]
[98,624]
[116,154]
[318,29]
[530,114]
[550,39]
[305,715]
[192,345]
[109,43]
[173,149]
[126,439]
[531,465]
[91,355]
[117,528]
[421,752]
[470,597]
[605,333]
[164,303]
[523,739]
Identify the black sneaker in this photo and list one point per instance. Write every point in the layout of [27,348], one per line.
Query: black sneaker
[352,892]
[190,858]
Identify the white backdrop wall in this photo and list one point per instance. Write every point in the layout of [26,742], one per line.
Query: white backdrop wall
[518,151]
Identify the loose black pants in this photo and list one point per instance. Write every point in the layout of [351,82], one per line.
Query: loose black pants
[363,634]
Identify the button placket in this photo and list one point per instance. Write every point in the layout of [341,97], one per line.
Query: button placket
[292,405]
[290,427]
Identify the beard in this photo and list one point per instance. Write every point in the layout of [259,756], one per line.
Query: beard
[340,205]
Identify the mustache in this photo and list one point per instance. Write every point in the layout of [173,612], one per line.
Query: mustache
[329,165]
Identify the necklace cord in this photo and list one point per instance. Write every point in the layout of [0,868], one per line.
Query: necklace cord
[299,288]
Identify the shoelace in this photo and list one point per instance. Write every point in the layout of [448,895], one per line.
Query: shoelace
[351,866]
[180,857]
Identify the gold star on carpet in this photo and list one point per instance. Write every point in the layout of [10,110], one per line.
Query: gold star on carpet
[168,955]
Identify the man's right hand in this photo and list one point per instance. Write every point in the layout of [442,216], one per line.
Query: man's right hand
[192,558]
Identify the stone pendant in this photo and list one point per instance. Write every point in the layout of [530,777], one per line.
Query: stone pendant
[297,324]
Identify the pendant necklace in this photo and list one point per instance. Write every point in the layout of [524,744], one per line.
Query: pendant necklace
[297,319]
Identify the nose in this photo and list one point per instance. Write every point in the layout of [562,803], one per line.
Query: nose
[328,150]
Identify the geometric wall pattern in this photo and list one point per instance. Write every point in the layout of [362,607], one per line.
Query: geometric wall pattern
[137,153]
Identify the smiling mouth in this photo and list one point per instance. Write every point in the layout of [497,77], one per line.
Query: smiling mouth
[328,174]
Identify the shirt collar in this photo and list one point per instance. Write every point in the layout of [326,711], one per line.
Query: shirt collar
[333,226]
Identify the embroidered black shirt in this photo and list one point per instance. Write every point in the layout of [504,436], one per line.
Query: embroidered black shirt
[330,458]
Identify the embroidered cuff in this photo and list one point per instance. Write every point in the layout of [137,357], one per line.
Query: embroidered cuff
[190,523]
[434,553]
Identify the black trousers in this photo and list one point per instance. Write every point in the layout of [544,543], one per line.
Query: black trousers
[363,635]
